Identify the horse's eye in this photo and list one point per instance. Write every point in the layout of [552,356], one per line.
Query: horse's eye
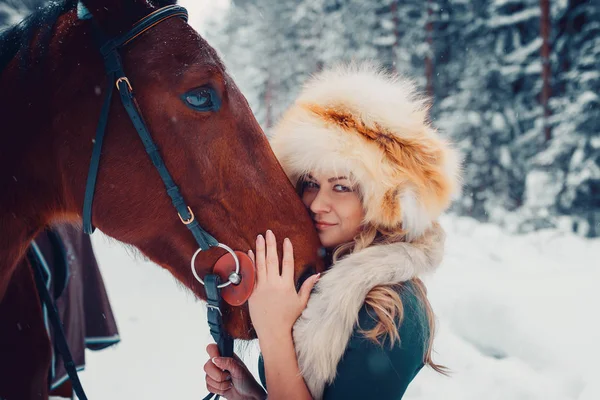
[202,99]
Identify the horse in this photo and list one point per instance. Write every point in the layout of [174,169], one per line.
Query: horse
[53,88]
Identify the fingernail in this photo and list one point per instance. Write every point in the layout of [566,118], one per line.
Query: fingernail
[286,240]
[217,361]
[250,252]
[269,233]
[259,237]
[318,277]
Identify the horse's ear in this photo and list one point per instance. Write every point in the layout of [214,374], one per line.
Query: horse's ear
[164,3]
[118,16]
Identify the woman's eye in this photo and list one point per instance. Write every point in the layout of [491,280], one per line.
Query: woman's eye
[309,185]
[342,188]
[204,99]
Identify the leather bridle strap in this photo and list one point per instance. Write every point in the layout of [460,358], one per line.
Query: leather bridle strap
[115,73]
[215,320]
[95,161]
[35,258]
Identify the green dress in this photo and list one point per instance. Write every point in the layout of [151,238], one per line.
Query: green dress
[368,370]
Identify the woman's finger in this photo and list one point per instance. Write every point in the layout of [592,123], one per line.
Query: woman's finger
[231,365]
[306,288]
[217,390]
[260,262]
[272,257]
[287,264]
[215,372]
[223,386]
[251,256]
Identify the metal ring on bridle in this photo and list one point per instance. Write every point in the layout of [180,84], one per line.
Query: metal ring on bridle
[234,277]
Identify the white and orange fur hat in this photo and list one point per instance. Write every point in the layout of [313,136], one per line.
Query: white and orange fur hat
[373,127]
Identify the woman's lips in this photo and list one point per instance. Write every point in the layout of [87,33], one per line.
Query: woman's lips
[323,225]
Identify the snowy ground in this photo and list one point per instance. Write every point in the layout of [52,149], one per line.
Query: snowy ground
[517,320]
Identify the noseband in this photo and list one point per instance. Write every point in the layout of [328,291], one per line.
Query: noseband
[109,49]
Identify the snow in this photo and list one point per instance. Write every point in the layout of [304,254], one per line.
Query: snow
[587,97]
[505,158]
[515,18]
[524,52]
[515,313]
[162,329]
[542,187]
[10,15]
[501,3]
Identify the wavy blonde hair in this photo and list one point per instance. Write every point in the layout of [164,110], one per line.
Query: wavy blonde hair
[385,300]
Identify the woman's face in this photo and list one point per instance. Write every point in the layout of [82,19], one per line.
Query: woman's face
[335,207]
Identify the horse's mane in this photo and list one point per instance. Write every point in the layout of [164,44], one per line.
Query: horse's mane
[19,36]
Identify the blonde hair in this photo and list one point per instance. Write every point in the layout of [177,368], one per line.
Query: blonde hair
[385,300]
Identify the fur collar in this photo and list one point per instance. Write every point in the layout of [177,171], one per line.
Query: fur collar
[322,332]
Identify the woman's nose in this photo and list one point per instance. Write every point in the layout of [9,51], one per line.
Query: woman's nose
[321,203]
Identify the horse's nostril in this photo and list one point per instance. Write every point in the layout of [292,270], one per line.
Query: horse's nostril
[309,271]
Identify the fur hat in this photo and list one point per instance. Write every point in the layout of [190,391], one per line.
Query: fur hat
[372,126]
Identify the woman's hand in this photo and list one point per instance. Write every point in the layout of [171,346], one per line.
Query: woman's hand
[230,377]
[274,304]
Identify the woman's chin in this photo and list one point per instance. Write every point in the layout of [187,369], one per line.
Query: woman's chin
[327,240]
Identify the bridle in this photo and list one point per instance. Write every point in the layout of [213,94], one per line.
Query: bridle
[109,49]
[115,73]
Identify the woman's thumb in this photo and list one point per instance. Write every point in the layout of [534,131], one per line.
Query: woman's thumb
[307,287]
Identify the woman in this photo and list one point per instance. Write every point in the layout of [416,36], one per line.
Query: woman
[375,176]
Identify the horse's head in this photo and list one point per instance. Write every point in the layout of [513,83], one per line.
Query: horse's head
[206,133]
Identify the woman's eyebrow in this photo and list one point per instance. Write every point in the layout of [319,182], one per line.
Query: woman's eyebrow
[339,178]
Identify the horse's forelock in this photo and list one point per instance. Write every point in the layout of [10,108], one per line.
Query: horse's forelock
[18,38]
[164,3]
[115,17]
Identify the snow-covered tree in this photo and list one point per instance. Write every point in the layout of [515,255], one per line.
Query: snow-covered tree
[564,181]
[481,60]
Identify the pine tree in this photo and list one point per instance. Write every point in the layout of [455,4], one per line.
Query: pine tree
[399,37]
[565,177]
[241,42]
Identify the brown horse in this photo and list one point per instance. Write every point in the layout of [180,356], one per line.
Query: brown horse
[52,82]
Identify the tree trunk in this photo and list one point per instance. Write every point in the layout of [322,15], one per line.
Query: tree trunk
[429,57]
[268,102]
[545,54]
[394,11]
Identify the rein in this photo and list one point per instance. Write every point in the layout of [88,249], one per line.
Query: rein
[109,48]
